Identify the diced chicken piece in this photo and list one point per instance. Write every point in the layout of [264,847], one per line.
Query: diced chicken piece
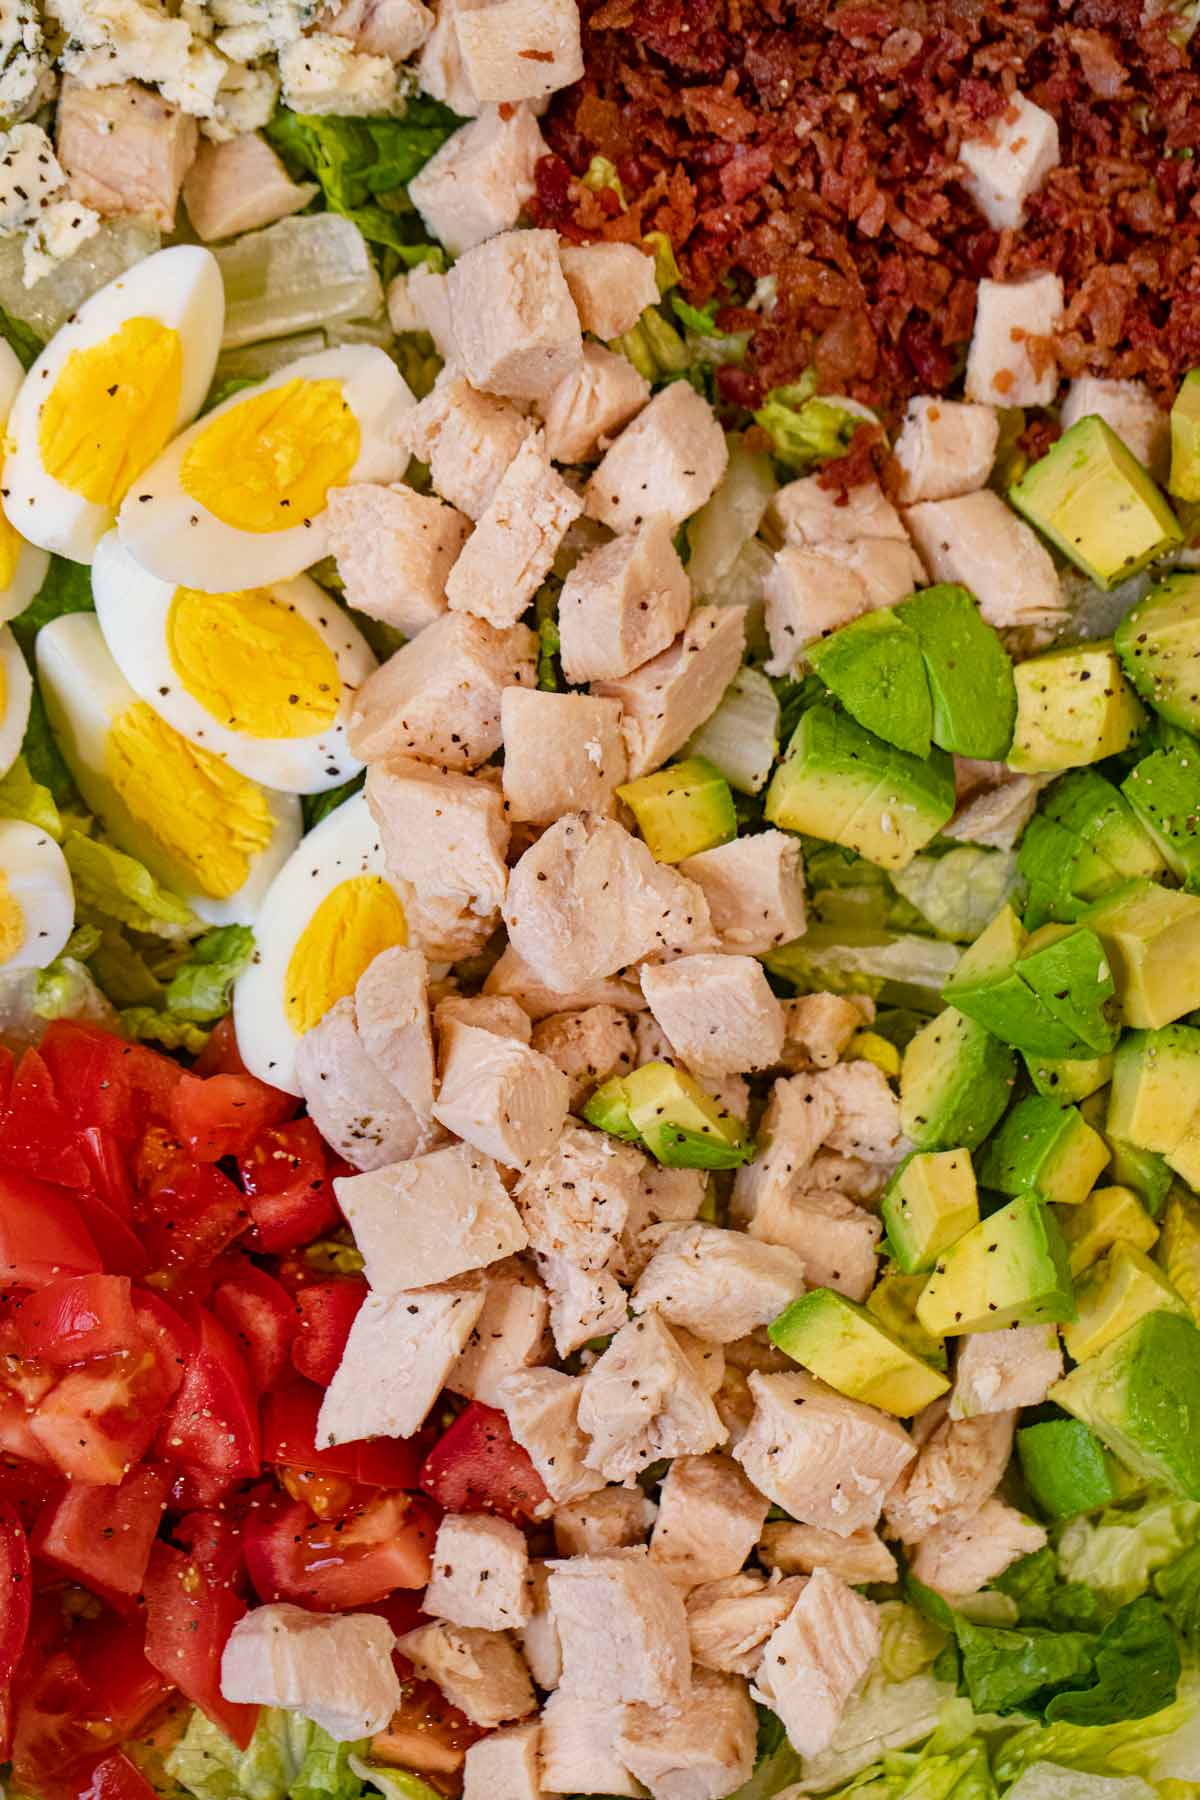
[467,438]
[513,318]
[623,603]
[669,698]
[817,1028]
[622,1628]
[666,1197]
[611,285]
[480,1672]
[799,1549]
[1132,412]
[995,810]
[444,833]
[814,1662]
[357,1110]
[807,595]
[799,1117]
[392,28]
[945,448]
[669,460]
[887,569]
[484,1012]
[592,403]
[427,1220]
[1011,360]
[562,753]
[579,1736]
[957,1469]
[700,1750]
[718,1284]
[730,1621]
[439,697]
[804,512]
[734,1403]
[709,1520]
[505,1763]
[584,1303]
[512,975]
[755,890]
[124,149]
[835,1238]
[395,550]
[826,1460]
[997,1371]
[542,1408]
[539,1635]
[613,1519]
[510,1334]
[238,186]
[477,183]
[588,899]
[718,1012]
[588,1047]
[980,542]
[336,1670]
[508,555]
[400,1350]
[426,307]
[521,49]
[391,1007]
[707,1360]
[866,1113]
[963,1554]
[479,1575]
[440,70]
[1009,160]
[643,1399]
[576,1201]
[502,1096]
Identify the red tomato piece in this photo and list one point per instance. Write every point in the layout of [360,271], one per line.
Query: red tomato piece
[194,1213]
[96,1423]
[213,1421]
[221,1056]
[105,1080]
[195,1490]
[327,1311]
[36,1131]
[222,1116]
[289,1438]
[167,1333]
[193,1602]
[42,1235]
[103,1535]
[111,1777]
[118,1243]
[328,1565]
[110,1177]
[478,1466]
[287,1186]
[262,1319]
[16,1438]
[25,1488]
[80,1317]
[16,1591]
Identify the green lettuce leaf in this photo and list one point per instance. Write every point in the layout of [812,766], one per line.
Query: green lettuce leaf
[702,320]
[201,988]
[1043,1598]
[1007,1671]
[65,990]
[1125,1747]
[316,807]
[44,760]
[123,971]
[1178,1587]
[66,589]
[958,893]
[20,337]
[21,797]
[395,1784]
[549,645]
[332,1256]
[1120,1550]
[121,888]
[776,1764]
[287,1756]
[807,429]
[1137,1668]
[149,1026]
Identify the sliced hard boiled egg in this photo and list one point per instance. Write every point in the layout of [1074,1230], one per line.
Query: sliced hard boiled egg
[16,693]
[23,565]
[201,828]
[108,393]
[331,910]
[239,500]
[265,678]
[37,901]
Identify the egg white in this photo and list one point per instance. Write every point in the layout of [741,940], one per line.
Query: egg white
[35,873]
[85,694]
[178,539]
[134,607]
[181,288]
[18,694]
[32,563]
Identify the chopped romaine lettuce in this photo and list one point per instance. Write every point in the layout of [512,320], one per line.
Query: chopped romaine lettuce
[728,522]
[65,990]
[742,737]
[21,797]
[288,1756]
[896,967]
[395,1784]
[199,991]
[1178,1587]
[149,1026]
[66,589]
[960,892]
[1119,1551]
[121,888]
[20,337]
[1125,1747]
[666,269]
[807,429]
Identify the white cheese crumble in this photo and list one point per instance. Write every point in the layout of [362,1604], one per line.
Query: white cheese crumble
[26,79]
[34,203]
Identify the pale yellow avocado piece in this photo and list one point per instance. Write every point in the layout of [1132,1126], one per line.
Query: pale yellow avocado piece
[1155,1091]
[1115,1294]
[1151,935]
[1074,707]
[1184,1159]
[1109,1215]
[893,1301]
[1178,1252]
[841,1343]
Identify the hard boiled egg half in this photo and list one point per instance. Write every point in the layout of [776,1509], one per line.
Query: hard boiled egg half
[264,678]
[37,902]
[16,693]
[331,910]
[23,565]
[202,829]
[108,393]
[240,499]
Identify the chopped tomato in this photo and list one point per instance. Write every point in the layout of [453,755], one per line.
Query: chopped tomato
[111,1777]
[106,1081]
[80,1317]
[167,1333]
[121,1249]
[290,1438]
[426,1733]
[16,1591]
[36,1132]
[222,1116]
[192,1213]
[327,1311]
[110,1177]
[16,1438]
[42,1235]
[124,1690]
[213,1421]
[478,1466]
[287,1186]
[262,1319]
[103,1535]
[331,1564]
[195,1490]
[193,1602]
[221,1056]
[96,1423]
[25,1488]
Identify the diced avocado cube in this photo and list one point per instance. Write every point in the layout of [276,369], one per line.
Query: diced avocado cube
[1152,937]
[893,1301]
[1068,1079]
[1142,1170]
[1074,706]
[682,810]
[1178,1253]
[928,1203]
[843,784]
[841,1343]
[1158,642]
[1185,439]
[1091,496]
[875,667]
[868,1046]
[1048,995]
[1109,1215]
[1156,1087]
[1114,1294]
[679,1124]
[1095,812]
[1066,1468]
[969,670]
[955,1082]
[1049,859]
[1066,967]
[1184,1159]
[608,1110]
[1164,791]
[1045,1149]
[1141,1396]
[1010,1269]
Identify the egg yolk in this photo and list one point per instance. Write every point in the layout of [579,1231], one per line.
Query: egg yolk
[12,922]
[253,663]
[268,463]
[112,410]
[352,925]
[206,816]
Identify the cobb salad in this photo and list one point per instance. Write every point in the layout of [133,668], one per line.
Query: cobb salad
[599,901]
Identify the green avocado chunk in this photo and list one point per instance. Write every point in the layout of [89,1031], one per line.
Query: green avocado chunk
[682,810]
[1109,1215]
[970,672]
[1178,1250]
[1158,642]
[1113,1295]
[1156,1087]
[874,666]
[1141,1396]
[1142,1170]
[1045,1149]
[1074,706]
[1185,439]
[893,1301]
[1067,1079]
[1066,1468]
[928,1203]
[1164,791]
[1051,994]
[1085,841]
[955,1082]
[671,1115]
[1091,497]
[1010,1269]
[844,1345]
[1152,939]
